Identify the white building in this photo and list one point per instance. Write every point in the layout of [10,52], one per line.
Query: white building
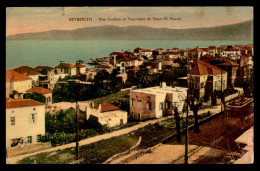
[106,114]
[65,68]
[204,78]
[18,82]
[25,120]
[155,102]
[230,52]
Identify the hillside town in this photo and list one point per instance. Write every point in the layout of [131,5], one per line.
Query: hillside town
[147,98]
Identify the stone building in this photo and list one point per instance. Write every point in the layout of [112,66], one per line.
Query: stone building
[25,121]
[156,102]
[204,78]
[231,68]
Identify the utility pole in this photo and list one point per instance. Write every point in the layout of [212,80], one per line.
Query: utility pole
[186,133]
[77,133]
[221,92]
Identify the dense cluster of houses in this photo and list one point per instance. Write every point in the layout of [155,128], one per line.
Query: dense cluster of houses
[209,68]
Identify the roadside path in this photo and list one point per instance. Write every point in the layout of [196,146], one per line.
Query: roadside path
[15,159]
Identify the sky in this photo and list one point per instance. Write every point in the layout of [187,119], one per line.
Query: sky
[38,19]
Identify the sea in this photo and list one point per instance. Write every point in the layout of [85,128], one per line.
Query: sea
[51,52]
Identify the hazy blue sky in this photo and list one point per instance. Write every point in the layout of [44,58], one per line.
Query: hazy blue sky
[36,19]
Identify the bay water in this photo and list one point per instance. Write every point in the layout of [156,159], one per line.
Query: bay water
[51,52]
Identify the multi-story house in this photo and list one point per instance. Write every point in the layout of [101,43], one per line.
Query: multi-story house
[47,78]
[18,82]
[230,52]
[212,50]
[156,102]
[65,69]
[29,71]
[80,68]
[231,68]
[45,92]
[204,78]
[25,122]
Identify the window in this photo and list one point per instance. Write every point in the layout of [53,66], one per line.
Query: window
[29,139]
[12,120]
[132,102]
[33,118]
[139,104]
[39,138]
[201,85]
[161,106]
[149,106]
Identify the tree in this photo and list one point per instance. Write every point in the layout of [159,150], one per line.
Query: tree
[35,96]
[169,76]
[221,95]
[182,72]
[194,106]
[143,77]
[177,121]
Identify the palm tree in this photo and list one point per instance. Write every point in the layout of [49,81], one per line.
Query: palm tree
[143,77]
[169,75]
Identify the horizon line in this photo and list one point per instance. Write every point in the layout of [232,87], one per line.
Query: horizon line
[132,26]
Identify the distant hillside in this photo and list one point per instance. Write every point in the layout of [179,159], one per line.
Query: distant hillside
[240,31]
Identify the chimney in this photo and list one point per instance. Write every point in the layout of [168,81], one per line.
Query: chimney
[61,62]
[163,85]
[99,107]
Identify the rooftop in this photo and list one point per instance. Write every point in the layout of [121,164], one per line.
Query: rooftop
[79,66]
[27,70]
[12,75]
[202,68]
[65,65]
[228,63]
[105,106]
[22,103]
[39,90]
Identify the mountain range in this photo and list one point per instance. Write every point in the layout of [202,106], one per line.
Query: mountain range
[239,31]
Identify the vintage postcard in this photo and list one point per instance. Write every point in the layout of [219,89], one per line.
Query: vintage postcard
[129,85]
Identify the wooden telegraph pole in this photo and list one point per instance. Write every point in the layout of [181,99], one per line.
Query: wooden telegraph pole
[77,133]
[186,133]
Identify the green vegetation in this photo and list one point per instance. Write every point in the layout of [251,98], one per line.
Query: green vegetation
[100,151]
[93,153]
[35,96]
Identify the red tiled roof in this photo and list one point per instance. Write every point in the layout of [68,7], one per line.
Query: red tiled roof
[204,49]
[212,47]
[230,49]
[170,53]
[201,68]
[79,66]
[137,49]
[125,59]
[136,58]
[22,103]
[158,49]
[27,70]
[11,75]
[105,66]
[136,68]
[195,50]
[42,67]
[39,90]
[87,69]
[145,50]
[65,65]
[105,106]
[228,63]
